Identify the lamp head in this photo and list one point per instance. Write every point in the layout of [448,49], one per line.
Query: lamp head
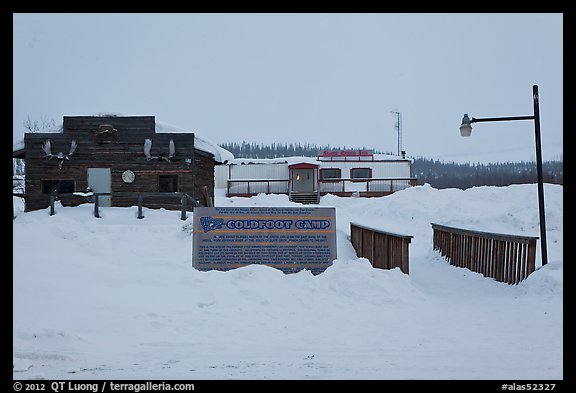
[465,127]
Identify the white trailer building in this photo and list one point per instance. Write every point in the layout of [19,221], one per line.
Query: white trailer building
[305,179]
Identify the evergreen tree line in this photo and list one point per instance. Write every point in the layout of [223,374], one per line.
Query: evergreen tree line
[276,150]
[465,175]
[438,174]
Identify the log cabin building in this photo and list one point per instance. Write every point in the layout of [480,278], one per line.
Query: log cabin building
[122,157]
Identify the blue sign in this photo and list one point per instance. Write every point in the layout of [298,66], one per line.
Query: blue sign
[287,238]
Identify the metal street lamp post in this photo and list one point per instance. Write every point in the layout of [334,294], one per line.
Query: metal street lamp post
[466,130]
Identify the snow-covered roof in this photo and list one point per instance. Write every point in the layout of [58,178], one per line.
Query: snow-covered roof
[391,157]
[200,142]
[280,160]
[18,145]
[307,160]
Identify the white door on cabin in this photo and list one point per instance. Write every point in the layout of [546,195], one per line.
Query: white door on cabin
[302,180]
[100,180]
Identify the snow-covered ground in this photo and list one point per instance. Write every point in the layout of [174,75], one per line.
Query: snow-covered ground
[117,298]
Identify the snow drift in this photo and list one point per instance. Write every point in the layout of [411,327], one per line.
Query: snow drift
[117,298]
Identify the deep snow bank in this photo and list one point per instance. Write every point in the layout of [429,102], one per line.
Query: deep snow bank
[117,297]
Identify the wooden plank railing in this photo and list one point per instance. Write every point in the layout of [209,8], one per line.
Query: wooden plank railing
[506,258]
[94,197]
[384,250]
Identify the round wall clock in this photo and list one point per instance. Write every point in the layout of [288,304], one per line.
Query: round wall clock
[128,176]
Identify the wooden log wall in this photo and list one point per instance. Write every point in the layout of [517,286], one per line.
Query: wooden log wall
[506,258]
[384,250]
[118,148]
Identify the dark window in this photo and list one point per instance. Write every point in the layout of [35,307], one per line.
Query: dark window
[360,173]
[168,183]
[62,186]
[332,174]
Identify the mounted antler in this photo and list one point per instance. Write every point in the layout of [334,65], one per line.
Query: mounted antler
[171,151]
[147,148]
[47,147]
[73,146]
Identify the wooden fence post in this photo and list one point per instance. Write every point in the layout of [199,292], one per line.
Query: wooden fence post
[140,202]
[184,207]
[53,195]
[96,212]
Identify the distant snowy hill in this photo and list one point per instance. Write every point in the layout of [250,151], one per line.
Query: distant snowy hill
[117,298]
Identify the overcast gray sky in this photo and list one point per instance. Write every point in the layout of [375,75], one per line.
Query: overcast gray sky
[303,78]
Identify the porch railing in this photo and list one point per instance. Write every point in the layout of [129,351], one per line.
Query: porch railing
[367,185]
[282,186]
[248,187]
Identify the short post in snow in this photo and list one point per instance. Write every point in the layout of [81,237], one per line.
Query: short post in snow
[96,213]
[140,215]
[184,202]
[53,195]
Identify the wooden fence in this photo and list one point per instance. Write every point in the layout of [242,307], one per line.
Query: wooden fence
[94,197]
[506,258]
[384,250]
